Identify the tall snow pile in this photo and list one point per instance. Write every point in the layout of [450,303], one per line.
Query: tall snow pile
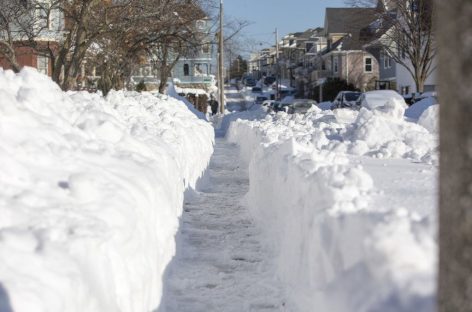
[91,189]
[314,198]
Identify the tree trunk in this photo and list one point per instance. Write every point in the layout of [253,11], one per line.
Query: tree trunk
[419,81]
[15,66]
[10,56]
[455,215]
[164,75]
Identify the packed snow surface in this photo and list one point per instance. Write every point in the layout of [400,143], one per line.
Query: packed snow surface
[221,263]
[347,199]
[91,189]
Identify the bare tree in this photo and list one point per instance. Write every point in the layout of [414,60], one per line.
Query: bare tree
[112,35]
[405,31]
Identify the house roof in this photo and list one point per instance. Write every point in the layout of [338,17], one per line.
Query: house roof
[348,20]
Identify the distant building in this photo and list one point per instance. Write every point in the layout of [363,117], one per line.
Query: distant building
[45,33]
[392,75]
[344,57]
[194,68]
[198,67]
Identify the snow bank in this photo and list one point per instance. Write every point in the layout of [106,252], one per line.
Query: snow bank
[172,92]
[90,194]
[340,248]
[429,119]
[383,133]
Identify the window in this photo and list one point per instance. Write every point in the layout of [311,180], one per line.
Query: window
[387,60]
[309,46]
[405,90]
[335,64]
[186,70]
[43,65]
[368,64]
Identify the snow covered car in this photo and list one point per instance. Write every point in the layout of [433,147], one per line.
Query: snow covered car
[300,106]
[346,99]
[380,98]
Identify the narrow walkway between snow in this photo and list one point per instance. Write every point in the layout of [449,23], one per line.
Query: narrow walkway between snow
[220,264]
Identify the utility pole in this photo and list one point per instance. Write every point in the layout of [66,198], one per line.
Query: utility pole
[277,90]
[221,81]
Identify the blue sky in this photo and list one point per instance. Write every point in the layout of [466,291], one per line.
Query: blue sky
[287,15]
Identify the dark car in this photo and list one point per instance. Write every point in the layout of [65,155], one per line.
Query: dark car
[269,80]
[346,99]
[250,82]
[256,90]
[260,99]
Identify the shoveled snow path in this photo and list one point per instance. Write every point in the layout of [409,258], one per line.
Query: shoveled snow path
[221,264]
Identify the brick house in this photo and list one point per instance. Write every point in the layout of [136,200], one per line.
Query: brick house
[43,34]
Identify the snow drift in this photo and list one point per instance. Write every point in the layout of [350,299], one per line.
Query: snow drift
[91,189]
[339,249]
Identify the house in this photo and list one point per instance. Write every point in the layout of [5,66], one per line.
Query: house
[198,67]
[194,68]
[310,47]
[395,67]
[262,63]
[31,36]
[293,50]
[344,57]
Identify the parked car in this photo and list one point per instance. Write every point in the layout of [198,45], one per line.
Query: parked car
[269,80]
[287,92]
[378,98]
[256,90]
[300,106]
[281,107]
[250,82]
[268,103]
[346,99]
[260,99]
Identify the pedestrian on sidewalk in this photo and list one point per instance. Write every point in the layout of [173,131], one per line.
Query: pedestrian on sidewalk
[213,104]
